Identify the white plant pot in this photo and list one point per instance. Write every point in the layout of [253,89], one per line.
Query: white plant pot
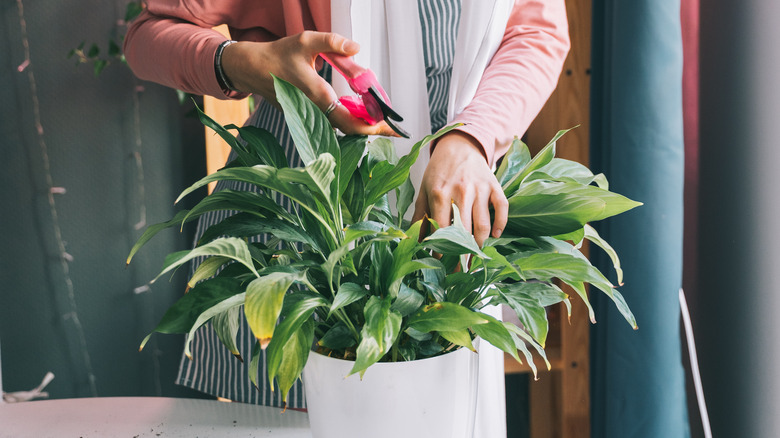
[428,398]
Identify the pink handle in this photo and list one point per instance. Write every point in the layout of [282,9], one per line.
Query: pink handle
[360,79]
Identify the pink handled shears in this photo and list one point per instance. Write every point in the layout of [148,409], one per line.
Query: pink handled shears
[371,103]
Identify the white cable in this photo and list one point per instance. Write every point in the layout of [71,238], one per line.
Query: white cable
[705,418]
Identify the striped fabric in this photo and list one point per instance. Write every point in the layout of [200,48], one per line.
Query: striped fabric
[439,21]
[213,369]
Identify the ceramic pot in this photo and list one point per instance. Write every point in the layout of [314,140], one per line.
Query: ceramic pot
[429,398]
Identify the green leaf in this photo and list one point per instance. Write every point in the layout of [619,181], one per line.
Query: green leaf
[405,197]
[256,204]
[99,65]
[352,149]
[459,337]
[264,299]
[522,339]
[246,158]
[381,149]
[445,317]
[408,301]
[113,48]
[622,306]
[365,229]
[267,177]
[378,334]
[134,8]
[579,288]
[575,236]
[93,51]
[541,159]
[393,177]
[381,261]
[206,269]
[299,307]
[254,364]
[547,214]
[592,235]
[223,306]
[499,263]
[407,268]
[263,145]
[453,240]
[528,309]
[152,230]
[567,267]
[496,333]
[295,353]
[229,247]
[352,196]
[317,176]
[563,170]
[309,128]
[246,225]
[517,157]
[180,317]
[338,337]
[613,203]
[347,294]
[226,327]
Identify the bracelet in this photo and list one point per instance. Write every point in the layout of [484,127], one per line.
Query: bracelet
[222,78]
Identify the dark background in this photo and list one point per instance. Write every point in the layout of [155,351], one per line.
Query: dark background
[80,318]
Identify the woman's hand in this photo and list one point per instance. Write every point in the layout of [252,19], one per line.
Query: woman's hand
[249,65]
[458,172]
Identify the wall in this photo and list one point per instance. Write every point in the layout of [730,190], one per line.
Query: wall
[120,150]
[739,247]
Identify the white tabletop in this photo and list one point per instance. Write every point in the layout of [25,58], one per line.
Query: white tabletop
[136,417]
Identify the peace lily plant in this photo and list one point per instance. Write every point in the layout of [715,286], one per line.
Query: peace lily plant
[346,275]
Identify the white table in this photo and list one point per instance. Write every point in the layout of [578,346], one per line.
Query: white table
[136,417]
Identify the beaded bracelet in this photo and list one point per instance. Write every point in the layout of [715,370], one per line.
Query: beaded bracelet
[222,78]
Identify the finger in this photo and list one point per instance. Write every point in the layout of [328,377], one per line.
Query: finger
[342,119]
[500,209]
[319,42]
[440,206]
[465,203]
[481,214]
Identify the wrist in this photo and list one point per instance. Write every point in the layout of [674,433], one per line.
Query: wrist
[458,142]
[224,81]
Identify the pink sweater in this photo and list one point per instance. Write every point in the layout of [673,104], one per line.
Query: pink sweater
[172,43]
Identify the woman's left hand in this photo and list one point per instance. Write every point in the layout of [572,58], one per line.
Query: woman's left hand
[458,172]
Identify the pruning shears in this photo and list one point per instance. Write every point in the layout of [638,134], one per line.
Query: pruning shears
[371,103]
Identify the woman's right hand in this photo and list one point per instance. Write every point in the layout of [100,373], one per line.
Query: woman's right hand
[249,65]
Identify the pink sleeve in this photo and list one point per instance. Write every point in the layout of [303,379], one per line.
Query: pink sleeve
[168,45]
[520,77]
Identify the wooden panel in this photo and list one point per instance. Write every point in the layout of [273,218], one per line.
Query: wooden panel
[560,400]
[224,112]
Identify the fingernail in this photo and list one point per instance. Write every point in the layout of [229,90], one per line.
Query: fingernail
[497,233]
[350,46]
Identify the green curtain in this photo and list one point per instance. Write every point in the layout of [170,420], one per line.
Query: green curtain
[638,387]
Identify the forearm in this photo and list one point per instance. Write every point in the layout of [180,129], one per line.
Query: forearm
[175,53]
[520,77]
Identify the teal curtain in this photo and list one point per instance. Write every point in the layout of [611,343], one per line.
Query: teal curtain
[638,380]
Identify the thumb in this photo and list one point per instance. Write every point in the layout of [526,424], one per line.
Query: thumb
[320,42]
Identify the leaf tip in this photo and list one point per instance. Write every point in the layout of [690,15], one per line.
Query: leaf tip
[264,341]
[238,356]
